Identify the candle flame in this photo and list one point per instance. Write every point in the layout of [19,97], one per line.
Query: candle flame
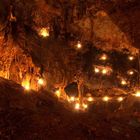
[137,94]
[96,70]
[44,32]
[103,57]
[26,85]
[77,106]
[106,98]
[40,81]
[79,45]
[90,99]
[120,99]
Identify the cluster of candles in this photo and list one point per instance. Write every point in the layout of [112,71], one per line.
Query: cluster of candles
[44,32]
[26,84]
[102,70]
[106,70]
[83,105]
[76,102]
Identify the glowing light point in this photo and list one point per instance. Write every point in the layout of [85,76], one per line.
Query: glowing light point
[96,70]
[90,99]
[106,98]
[79,45]
[57,93]
[72,99]
[131,72]
[77,106]
[27,87]
[120,99]
[104,71]
[131,58]
[137,93]
[123,82]
[44,32]
[103,57]
[85,106]
[40,81]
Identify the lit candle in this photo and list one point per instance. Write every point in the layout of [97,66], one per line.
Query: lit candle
[26,85]
[57,93]
[44,32]
[130,72]
[103,57]
[96,70]
[85,106]
[77,106]
[106,98]
[40,81]
[90,99]
[104,71]
[72,99]
[120,99]
[79,45]
[137,94]
[123,82]
[131,58]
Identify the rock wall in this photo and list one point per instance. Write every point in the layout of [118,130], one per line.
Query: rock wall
[17,65]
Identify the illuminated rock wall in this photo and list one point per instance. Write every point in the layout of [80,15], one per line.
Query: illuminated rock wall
[18,66]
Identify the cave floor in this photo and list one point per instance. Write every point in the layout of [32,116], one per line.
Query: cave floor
[40,116]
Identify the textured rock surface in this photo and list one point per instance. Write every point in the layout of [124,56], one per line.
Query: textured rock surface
[109,25]
[33,116]
[17,65]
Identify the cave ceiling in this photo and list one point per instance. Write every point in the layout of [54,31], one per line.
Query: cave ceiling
[108,24]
